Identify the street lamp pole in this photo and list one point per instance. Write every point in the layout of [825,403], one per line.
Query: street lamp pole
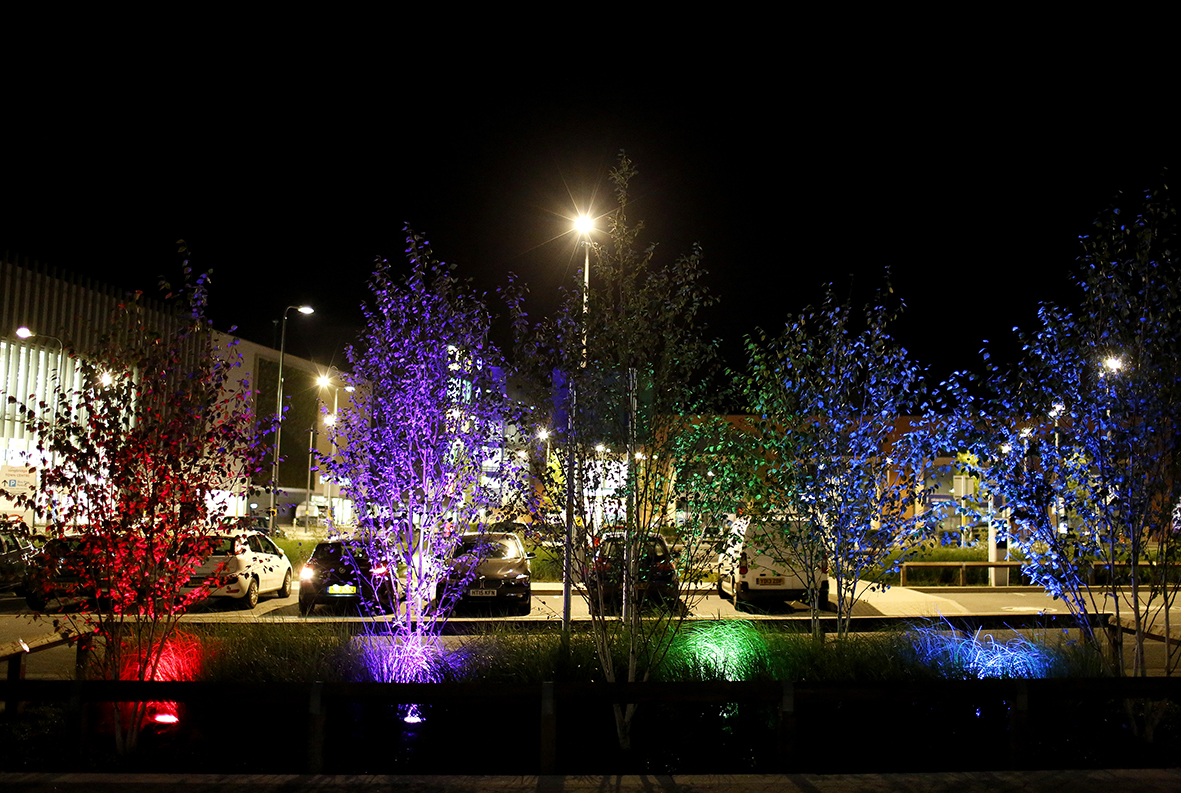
[279,409]
[583,227]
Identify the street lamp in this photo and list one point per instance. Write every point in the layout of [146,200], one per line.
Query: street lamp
[23,332]
[279,407]
[583,226]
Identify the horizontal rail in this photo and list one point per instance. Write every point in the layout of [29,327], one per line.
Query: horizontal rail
[963,568]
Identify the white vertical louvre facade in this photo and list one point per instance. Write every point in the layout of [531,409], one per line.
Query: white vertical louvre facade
[67,314]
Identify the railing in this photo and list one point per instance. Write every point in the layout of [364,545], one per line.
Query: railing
[963,568]
[13,654]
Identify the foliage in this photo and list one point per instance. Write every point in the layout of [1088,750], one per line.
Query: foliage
[421,443]
[630,373]
[273,652]
[144,448]
[848,438]
[1085,447]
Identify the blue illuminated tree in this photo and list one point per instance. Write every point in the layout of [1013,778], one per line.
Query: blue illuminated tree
[421,445]
[848,439]
[1086,428]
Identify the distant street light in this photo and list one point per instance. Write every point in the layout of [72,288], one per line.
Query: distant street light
[326,381]
[279,408]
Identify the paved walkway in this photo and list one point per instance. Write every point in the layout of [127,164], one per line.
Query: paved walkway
[1094,781]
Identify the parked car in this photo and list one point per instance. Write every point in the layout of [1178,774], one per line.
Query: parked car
[243,566]
[759,564]
[341,572]
[15,551]
[491,569]
[657,579]
[71,569]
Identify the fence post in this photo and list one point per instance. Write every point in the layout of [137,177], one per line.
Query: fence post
[963,574]
[316,728]
[82,659]
[16,671]
[549,724]
[1018,716]
[787,723]
[902,574]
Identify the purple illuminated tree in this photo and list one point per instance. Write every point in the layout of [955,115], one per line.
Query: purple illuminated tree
[1087,433]
[421,444]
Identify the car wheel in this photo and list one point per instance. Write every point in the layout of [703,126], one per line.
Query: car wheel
[35,602]
[305,606]
[523,609]
[285,590]
[250,599]
[721,589]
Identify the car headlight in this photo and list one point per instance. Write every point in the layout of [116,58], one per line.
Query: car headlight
[306,573]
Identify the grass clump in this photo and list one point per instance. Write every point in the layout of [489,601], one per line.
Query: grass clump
[740,650]
[274,653]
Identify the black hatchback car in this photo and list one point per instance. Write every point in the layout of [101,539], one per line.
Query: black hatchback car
[341,572]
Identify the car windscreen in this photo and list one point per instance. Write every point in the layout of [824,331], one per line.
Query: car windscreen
[652,547]
[223,546]
[489,548]
[333,552]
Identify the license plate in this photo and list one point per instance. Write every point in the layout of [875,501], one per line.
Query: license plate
[342,589]
[769,581]
[482,593]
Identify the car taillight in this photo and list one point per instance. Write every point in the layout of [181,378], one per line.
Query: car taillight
[742,568]
[380,570]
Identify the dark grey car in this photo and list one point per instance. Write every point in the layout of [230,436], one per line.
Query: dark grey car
[492,569]
[15,551]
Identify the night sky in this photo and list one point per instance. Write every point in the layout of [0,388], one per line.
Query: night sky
[975,198]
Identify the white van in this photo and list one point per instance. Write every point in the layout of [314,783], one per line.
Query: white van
[757,563]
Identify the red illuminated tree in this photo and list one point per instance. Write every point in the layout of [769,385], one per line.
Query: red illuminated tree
[147,443]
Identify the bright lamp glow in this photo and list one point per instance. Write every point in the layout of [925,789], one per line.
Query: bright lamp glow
[306,310]
[584,224]
[24,332]
[1113,363]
